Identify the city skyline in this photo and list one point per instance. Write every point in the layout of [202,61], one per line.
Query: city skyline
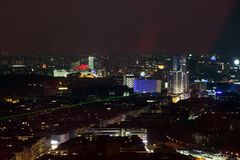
[117,80]
[89,107]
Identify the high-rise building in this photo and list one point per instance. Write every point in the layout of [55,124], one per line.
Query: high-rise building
[178,78]
[128,80]
[91,62]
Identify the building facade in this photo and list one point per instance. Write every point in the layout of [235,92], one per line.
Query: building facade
[147,86]
[178,77]
[128,80]
[91,62]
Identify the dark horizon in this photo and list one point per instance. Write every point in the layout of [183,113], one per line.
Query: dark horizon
[108,27]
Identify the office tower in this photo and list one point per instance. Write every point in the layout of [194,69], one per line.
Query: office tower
[178,78]
[91,62]
[128,80]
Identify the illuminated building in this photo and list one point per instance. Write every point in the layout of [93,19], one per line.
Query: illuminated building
[91,62]
[128,80]
[147,86]
[101,73]
[175,82]
[178,78]
[58,139]
[19,68]
[34,149]
[122,132]
[60,73]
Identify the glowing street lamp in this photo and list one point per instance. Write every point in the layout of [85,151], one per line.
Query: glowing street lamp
[236,62]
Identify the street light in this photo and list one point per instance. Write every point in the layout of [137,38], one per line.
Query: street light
[236,62]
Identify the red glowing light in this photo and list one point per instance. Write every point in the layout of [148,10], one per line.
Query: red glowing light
[81,67]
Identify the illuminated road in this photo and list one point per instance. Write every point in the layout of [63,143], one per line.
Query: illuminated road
[204,155]
[186,149]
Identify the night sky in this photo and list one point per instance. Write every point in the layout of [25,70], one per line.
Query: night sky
[119,26]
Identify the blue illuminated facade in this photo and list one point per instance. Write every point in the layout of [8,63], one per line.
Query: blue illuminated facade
[147,86]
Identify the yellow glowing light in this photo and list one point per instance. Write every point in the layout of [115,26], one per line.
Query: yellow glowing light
[63,88]
[175,99]
[12,100]
[90,76]
[81,75]
[161,66]
[86,75]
